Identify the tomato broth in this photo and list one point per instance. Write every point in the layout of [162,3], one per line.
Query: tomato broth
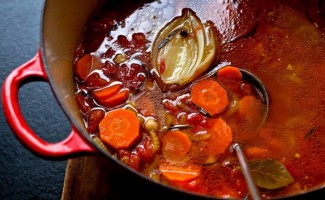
[180,132]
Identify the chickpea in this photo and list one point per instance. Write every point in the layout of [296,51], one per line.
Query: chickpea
[151,125]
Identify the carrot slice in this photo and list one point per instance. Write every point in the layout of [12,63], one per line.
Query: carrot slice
[175,145]
[220,137]
[256,152]
[251,109]
[230,73]
[210,96]
[184,173]
[106,92]
[232,79]
[120,128]
[85,65]
[115,100]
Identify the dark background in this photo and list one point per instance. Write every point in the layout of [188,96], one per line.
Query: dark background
[23,175]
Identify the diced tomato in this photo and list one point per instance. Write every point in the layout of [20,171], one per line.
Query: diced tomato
[94,80]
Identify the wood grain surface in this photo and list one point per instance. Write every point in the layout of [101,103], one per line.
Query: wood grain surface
[94,178]
[85,177]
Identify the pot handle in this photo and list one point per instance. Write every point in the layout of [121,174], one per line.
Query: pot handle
[74,143]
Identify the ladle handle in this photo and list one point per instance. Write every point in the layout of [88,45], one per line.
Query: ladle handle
[245,170]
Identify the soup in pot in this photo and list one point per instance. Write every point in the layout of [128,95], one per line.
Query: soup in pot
[159,87]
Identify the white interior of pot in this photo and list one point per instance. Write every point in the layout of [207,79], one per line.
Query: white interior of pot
[63,22]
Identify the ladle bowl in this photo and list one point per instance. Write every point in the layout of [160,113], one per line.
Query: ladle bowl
[260,90]
[253,80]
[264,97]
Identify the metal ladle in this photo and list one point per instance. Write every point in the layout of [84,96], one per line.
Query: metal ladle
[263,95]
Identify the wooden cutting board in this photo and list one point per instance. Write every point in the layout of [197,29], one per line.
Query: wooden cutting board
[85,177]
[92,178]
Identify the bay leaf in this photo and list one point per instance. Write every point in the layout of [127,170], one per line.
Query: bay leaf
[269,174]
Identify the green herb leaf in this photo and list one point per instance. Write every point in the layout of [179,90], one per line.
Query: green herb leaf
[269,174]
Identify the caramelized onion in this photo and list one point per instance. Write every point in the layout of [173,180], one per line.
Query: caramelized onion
[184,49]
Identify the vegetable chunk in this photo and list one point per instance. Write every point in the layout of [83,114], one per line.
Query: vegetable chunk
[221,137]
[210,96]
[120,128]
[184,173]
[176,145]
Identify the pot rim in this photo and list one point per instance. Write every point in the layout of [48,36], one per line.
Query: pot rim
[74,123]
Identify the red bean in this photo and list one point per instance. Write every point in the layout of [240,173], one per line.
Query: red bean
[134,161]
[128,75]
[146,151]
[130,158]
[123,41]
[109,53]
[83,102]
[145,58]
[95,116]
[196,119]
[139,39]
[109,68]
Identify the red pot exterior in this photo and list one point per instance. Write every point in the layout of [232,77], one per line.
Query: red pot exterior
[33,69]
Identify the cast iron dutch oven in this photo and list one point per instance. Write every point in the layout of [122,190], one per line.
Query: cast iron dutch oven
[63,22]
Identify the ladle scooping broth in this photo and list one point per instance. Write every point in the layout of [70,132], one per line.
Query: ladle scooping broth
[149,95]
[263,95]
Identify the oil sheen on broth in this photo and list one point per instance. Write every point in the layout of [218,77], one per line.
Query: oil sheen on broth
[272,39]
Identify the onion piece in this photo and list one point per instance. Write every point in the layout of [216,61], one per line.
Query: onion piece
[184,49]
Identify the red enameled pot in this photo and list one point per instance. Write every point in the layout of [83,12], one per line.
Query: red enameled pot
[62,25]
[63,22]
